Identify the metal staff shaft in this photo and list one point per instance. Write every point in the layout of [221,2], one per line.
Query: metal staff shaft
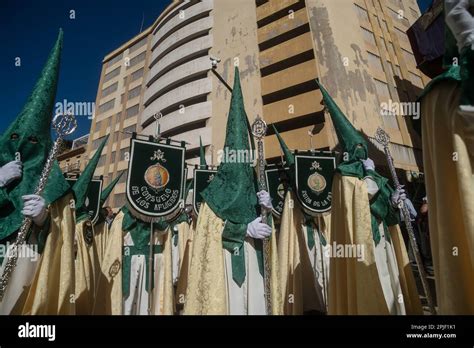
[383,138]
[259,128]
[151,257]
[323,272]
[64,125]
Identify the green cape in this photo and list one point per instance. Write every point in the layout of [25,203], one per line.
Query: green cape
[232,194]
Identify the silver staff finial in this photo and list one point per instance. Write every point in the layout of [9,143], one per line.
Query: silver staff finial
[382,137]
[64,124]
[259,127]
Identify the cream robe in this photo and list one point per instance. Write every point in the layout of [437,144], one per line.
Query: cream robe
[448,158]
[185,240]
[211,289]
[319,256]
[87,268]
[46,286]
[383,282]
[88,264]
[301,269]
[109,298]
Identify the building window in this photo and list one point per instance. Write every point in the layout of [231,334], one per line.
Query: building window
[398,16]
[119,200]
[416,80]
[111,89]
[382,91]
[389,119]
[101,161]
[107,106]
[137,45]
[98,124]
[112,74]
[409,58]
[133,93]
[130,129]
[116,136]
[136,75]
[374,62]
[112,157]
[368,36]
[123,178]
[414,13]
[402,36]
[135,60]
[132,111]
[114,60]
[362,13]
[96,143]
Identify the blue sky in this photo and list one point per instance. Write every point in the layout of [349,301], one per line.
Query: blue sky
[28,29]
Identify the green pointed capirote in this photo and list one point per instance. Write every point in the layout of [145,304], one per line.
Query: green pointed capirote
[355,146]
[82,185]
[231,194]
[108,190]
[29,138]
[289,157]
[349,138]
[202,154]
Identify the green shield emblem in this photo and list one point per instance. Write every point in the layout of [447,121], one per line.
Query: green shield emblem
[314,173]
[155,179]
[202,178]
[277,179]
[92,203]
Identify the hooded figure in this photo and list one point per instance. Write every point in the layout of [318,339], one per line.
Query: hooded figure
[302,251]
[122,285]
[41,286]
[447,119]
[226,272]
[87,259]
[363,216]
[101,227]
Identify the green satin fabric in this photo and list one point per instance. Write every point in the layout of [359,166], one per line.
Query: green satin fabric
[128,252]
[140,233]
[308,221]
[82,185]
[232,194]
[33,120]
[233,238]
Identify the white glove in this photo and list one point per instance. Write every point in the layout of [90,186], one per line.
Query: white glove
[368,164]
[398,196]
[264,200]
[257,229]
[34,207]
[9,172]
[461,22]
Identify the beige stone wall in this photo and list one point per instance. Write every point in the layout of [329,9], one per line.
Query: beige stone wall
[235,37]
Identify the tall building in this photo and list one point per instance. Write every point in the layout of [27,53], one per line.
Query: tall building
[358,49]
[118,105]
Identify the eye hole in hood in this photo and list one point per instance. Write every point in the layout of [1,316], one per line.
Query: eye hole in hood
[32,139]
